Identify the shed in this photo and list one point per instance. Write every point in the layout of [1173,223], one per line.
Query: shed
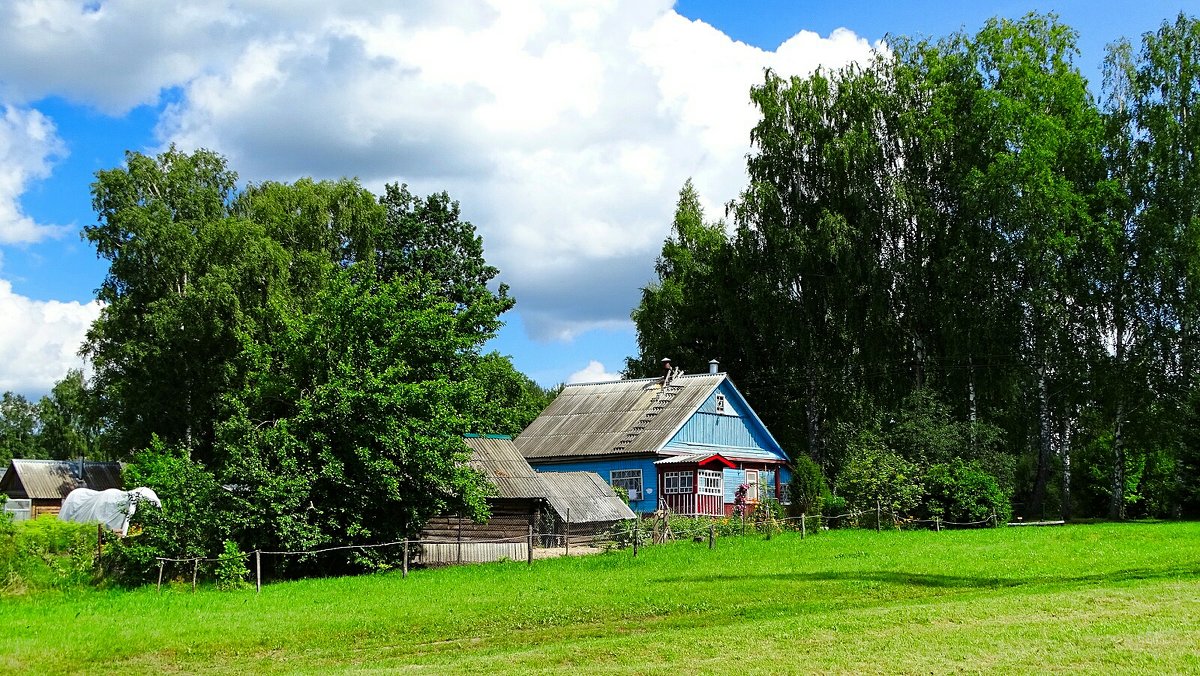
[521,498]
[45,483]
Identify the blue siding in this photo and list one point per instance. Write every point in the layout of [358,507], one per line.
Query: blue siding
[649,501]
[733,479]
[737,430]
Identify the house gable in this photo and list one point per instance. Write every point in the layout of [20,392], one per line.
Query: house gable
[724,423]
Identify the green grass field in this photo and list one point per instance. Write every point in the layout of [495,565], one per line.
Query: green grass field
[1088,599]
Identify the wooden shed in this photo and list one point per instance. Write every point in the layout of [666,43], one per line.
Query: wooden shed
[46,482]
[517,500]
[585,500]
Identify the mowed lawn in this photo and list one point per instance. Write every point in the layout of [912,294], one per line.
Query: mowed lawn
[1085,599]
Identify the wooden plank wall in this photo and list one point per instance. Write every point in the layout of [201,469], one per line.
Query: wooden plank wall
[472,552]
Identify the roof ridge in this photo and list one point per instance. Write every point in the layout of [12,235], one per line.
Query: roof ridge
[654,379]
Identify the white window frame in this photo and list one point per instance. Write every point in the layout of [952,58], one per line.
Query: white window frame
[719,404]
[679,483]
[752,482]
[711,483]
[629,479]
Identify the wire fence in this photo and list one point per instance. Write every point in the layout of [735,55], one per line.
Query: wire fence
[433,551]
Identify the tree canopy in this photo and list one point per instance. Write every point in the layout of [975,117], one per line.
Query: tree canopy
[957,252]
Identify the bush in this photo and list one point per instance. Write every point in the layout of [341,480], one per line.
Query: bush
[963,492]
[807,488]
[878,476]
[46,553]
[231,568]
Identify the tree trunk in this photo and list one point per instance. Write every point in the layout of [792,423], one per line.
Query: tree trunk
[1116,504]
[1045,448]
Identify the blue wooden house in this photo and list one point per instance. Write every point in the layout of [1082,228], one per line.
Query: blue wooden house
[685,442]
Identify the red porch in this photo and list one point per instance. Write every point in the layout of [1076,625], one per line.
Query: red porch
[693,485]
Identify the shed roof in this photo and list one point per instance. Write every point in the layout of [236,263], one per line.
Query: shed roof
[499,460]
[54,479]
[585,494]
[587,497]
[598,419]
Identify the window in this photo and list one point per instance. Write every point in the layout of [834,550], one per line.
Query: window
[752,482]
[711,483]
[719,403]
[629,479]
[677,483]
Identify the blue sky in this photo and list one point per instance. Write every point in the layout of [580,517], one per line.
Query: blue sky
[565,133]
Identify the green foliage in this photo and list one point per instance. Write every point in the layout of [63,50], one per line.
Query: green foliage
[963,492]
[46,553]
[807,489]
[231,571]
[18,427]
[196,515]
[881,477]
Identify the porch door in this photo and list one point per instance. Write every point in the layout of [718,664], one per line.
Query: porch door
[752,482]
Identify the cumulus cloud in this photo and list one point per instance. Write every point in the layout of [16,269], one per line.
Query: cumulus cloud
[39,340]
[565,129]
[28,148]
[592,373]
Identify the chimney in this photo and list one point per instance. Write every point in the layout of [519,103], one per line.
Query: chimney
[714,366]
[666,362]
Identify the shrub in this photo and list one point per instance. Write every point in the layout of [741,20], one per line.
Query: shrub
[878,476]
[231,568]
[46,553]
[963,492]
[807,488]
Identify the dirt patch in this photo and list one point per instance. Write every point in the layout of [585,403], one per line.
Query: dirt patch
[554,552]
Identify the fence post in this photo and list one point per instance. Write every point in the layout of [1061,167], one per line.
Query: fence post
[937,525]
[743,522]
[712,535]
[195,569]
[878,515]
[459,538]
[529,553]
[258,571]
[637,535]
[99,542]
[803,526]
[567,537]
[160,572]
[404,565]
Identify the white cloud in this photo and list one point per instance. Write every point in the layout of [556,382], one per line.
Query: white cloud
[592,373]
[565,129]
[39,340]
[28,148]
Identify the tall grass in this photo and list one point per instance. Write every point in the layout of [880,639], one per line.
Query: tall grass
[1087,598]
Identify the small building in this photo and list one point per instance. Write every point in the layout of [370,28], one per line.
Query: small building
[45,483]
[685,442]
[521,500]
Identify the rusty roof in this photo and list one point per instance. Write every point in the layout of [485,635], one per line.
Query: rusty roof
[586,496]
[53,479]
[615,418]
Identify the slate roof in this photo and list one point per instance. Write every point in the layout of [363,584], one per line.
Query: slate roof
[587,497]
[54,479]
[501,462]
[598,419]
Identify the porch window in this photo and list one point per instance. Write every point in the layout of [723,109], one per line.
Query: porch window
[752,482]
[711,483]
[675,483]
[629,479]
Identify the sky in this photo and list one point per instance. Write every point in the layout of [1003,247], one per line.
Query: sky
[564,129]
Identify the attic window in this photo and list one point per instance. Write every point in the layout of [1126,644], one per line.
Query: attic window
[719,401]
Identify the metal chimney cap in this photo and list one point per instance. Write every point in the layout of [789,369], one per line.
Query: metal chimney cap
[714,366]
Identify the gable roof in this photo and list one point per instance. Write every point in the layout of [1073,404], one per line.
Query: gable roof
[600,419]
[54,479]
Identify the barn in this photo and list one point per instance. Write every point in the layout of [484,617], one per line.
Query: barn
[683,441]
[521,500]
[44,483]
